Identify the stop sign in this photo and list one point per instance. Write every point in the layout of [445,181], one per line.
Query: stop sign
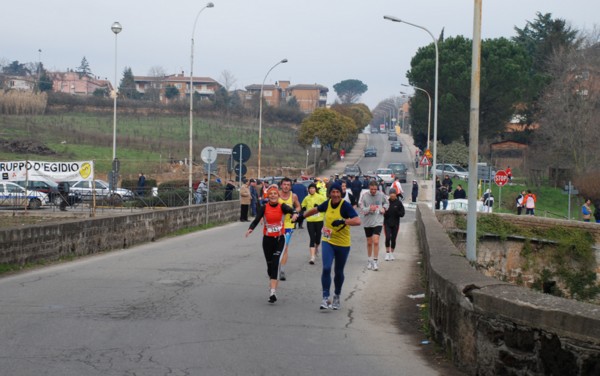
[501,178]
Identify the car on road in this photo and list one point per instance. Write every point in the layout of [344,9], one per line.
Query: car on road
[396,146]
[452,170]
[13,195]
[392,136]
[272,179]
[352,170]
[400,170]
[385,174]
[370,151]
[86,189]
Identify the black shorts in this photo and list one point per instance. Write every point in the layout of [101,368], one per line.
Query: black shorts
[370,231]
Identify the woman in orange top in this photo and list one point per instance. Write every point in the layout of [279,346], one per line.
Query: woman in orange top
[273,234]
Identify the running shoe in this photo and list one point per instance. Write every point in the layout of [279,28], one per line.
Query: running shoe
[272,298]
[392,257]
[282,276]
[369,265]
[387,257]
[312,260]
[375,266]
[325,304]
[336,302]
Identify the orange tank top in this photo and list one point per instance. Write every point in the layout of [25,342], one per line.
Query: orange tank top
[273,221]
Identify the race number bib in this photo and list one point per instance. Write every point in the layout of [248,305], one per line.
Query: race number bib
[273,230]
[326,233]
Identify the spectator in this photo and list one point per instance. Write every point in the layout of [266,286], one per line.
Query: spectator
[229,190]
[597,211]
[520,202]
[488,201]
[509,174]
[530,200]
[201,192]
[459,192]
[415,191]
[586,211]
[141,184]
[342,154]
[444,194]
[447,182]
[254,197]
[245,199]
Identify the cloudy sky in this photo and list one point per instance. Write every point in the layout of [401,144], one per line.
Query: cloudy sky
[325,41]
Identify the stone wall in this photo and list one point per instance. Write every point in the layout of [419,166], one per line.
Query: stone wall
[493,328]
[83,237]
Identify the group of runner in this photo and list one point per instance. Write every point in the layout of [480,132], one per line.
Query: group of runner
[329,217]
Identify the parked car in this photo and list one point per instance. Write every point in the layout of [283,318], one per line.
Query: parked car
[400,170]
[352,170]
[50,188]
[392,136]
[272,179]
[452,170]
[385,174]
[103,192]
[396,146]
[370,151]
[13,195]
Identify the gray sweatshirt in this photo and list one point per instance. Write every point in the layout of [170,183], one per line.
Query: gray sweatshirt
[369,218]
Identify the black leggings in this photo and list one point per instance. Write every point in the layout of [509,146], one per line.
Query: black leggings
[391,232]
[273,247]
[314,231]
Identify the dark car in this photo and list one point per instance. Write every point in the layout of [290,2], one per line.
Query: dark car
[370,151]
[352,170]
[392,136]
[50,188]
[396,146]
[400,170]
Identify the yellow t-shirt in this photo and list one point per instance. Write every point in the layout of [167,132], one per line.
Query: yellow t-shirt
[309,202]
[339,235]
[288,218]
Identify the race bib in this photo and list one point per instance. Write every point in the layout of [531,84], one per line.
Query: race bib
[326,233]
[273,229]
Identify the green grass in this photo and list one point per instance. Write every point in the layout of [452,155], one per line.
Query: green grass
[551,202]
[144,141]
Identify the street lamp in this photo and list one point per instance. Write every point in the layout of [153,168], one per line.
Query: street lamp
[116,28]
[428,116]
[191,90]
[435,113]
[260,100]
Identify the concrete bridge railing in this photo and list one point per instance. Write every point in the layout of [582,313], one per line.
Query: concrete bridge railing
[489,327]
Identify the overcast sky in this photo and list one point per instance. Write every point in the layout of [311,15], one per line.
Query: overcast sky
[325,41]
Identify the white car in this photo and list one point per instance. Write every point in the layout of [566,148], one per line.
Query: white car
[103,191]
[13,195]
[385,174]
[452,170]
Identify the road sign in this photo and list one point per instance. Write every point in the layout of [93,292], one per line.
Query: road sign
[240,153]
[209,154]
[237,170]
[424,161]
[210,166]
[316,143]
[501,178]
[224,151]
[428,154]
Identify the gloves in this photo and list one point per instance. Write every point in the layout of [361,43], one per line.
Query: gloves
[300,217]
[338,222]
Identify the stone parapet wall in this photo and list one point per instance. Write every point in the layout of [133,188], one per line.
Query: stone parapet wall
[50,242]
[490,327]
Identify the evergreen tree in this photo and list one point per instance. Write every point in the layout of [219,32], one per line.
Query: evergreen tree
[84,68]
[127,87]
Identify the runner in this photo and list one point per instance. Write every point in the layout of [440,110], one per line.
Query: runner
[372,207]
[290,199]
[336,242]
[314,223]
[273,235]
[391,224]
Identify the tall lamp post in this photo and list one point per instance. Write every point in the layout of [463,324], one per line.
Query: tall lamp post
[260,105]
[191,90]
[116,28]
[428,118]
[435,111]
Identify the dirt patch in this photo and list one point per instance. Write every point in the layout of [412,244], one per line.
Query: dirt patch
[25,147]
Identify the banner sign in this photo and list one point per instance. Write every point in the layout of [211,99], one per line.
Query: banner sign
[57,171]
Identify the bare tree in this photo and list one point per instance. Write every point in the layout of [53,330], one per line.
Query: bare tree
[158,75]
[569,132]
[227,79]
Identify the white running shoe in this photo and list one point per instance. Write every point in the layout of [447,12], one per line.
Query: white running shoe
[336,302]
[325,304]
[312,260]
[369,265]
[375,266]
[392,258]
[387,257]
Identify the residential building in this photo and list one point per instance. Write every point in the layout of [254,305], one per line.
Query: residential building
[23,83]
[204,87]
[309,97]
[77,84]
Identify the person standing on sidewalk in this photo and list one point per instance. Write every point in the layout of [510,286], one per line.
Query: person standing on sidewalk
[245,199]
[314,223]
[391,224]
[273,235]
[586,211]
[339,215]
[286,196]
[372,208]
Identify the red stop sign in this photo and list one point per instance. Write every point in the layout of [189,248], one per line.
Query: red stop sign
[501,178]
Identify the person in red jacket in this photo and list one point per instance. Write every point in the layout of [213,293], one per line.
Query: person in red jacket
[273,242]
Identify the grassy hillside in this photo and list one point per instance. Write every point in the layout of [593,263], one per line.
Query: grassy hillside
[146,142]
